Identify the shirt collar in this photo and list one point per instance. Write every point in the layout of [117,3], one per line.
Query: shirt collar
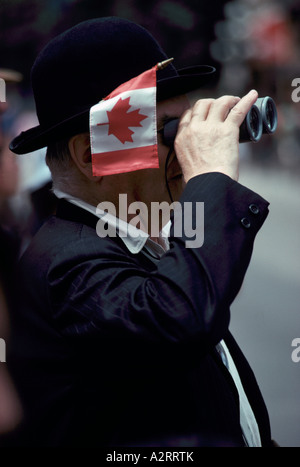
[134,239]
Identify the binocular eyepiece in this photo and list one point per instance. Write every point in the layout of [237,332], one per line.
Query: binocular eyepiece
[261,119]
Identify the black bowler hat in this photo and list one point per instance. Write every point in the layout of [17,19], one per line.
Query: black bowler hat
[83,65]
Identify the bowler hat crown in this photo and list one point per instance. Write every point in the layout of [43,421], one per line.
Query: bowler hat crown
[83,65]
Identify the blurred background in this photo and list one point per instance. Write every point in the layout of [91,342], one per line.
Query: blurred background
[253,44]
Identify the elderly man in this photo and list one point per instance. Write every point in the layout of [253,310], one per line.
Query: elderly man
[123,340]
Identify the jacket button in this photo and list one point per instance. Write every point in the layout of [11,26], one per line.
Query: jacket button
[246,223]
[254,209]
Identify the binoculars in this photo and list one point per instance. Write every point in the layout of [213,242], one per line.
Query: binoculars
[261,119]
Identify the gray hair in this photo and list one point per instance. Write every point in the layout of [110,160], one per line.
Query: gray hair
[59,161]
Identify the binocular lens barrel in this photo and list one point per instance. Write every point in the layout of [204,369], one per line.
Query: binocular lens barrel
[268,111]
[252,127]
[261,119]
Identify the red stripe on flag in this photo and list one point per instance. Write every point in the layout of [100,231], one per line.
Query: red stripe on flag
[144,80]
[115,162]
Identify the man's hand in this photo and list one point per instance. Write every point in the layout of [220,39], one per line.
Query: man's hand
[208,135]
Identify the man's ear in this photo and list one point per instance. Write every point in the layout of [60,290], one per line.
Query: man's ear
[80,150]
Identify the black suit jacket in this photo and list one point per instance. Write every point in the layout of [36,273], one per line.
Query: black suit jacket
[112,349]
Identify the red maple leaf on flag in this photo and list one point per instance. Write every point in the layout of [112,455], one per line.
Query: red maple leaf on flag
[121,120]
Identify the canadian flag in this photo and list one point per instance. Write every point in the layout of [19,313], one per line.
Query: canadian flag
[123,127]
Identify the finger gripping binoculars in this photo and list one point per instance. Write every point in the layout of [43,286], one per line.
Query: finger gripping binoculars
[261,119]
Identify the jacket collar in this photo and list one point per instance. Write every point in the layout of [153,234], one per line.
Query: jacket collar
[76,210]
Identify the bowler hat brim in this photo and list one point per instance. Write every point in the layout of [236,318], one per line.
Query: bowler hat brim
[187,80]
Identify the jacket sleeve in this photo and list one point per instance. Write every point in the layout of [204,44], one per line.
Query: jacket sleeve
[100,289]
